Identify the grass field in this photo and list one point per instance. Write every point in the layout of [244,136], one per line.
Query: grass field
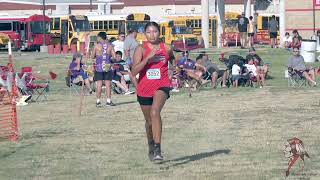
[216,134]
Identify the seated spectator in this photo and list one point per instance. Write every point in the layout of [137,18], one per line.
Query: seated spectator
[296,63]
[120,70]
[77,72]
[235,74]
[287,40]
[296,39]
[191,68]
[213,70]
[124,68]
[258,62]
[253,73]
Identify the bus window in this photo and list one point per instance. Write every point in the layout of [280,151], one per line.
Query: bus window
[91,25]
[116,24]
[110,24]
[5,26]
[56,23]
[95,25]
[16,26]
[163,29]
[105,25]
[100,24]
[265,23]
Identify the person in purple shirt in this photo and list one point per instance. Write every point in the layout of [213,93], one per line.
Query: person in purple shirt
[191,68]
[102,52]
[77,72]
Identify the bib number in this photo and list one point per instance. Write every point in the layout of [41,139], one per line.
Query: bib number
[153,74]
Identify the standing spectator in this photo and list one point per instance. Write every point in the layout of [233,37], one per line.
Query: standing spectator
[296,39]
[235,74]
[243,29]
[287,40]
[129,46]
[273,31]
[102,52]
[251,31]
[118,44]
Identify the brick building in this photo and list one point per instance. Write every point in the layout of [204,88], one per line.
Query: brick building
[299,15]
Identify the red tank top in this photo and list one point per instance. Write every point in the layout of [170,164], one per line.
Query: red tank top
[154,75]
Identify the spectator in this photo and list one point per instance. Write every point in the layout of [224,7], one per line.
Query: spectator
[118,44]
[243,29]
[296,39]
[296,63]
[287,40]
[214,71]
[124,69]
[77,72]
[253,73]
[129,46]
[258,62]
[273,31]
[191,68]
[251,31]
[236,70]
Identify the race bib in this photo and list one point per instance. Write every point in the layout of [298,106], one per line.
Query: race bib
[153,74]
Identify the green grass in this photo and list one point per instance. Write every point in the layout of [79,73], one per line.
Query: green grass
[216,134]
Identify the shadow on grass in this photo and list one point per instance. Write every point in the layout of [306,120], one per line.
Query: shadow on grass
[128,102]
[195,157]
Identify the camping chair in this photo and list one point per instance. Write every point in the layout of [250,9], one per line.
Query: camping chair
[296,78]
[38,90]
[74,86]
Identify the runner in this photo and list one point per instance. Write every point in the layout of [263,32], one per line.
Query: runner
[103,52]
[150,60]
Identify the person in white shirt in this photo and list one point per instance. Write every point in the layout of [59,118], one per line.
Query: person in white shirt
[287,40]
[118,44]
[235,74]
[254,75]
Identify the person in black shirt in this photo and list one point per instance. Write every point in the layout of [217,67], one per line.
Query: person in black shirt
[243,29]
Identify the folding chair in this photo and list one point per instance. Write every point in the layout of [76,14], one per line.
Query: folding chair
[39,90]
[296,79]
[74,88]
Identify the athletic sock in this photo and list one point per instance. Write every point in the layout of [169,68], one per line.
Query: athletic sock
[108,100]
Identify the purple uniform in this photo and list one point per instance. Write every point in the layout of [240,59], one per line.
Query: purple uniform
[102,59]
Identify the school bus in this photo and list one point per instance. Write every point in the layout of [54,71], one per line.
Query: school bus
[179,35]
[263,28]
[111,24]
[137,21]
[69,29]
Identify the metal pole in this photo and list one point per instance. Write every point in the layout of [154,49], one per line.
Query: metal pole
[43,22]
[90,5]
[205,22]
[282,20]
[314,17]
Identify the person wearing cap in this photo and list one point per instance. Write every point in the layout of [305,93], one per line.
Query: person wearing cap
[129,45]
[243,29]
[118,44]
[77,72]
[258,62]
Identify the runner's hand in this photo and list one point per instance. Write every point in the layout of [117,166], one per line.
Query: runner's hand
[152,54]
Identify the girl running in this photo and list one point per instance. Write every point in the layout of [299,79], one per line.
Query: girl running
[150,60]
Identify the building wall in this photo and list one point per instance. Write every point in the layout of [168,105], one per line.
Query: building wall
[299,15]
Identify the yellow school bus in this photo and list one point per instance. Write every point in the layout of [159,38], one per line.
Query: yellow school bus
[194,22]
[111,24]
[137,21]
[69,29]
[179,35]
[263,28]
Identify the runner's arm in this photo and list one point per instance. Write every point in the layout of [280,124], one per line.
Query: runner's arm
[138,61]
